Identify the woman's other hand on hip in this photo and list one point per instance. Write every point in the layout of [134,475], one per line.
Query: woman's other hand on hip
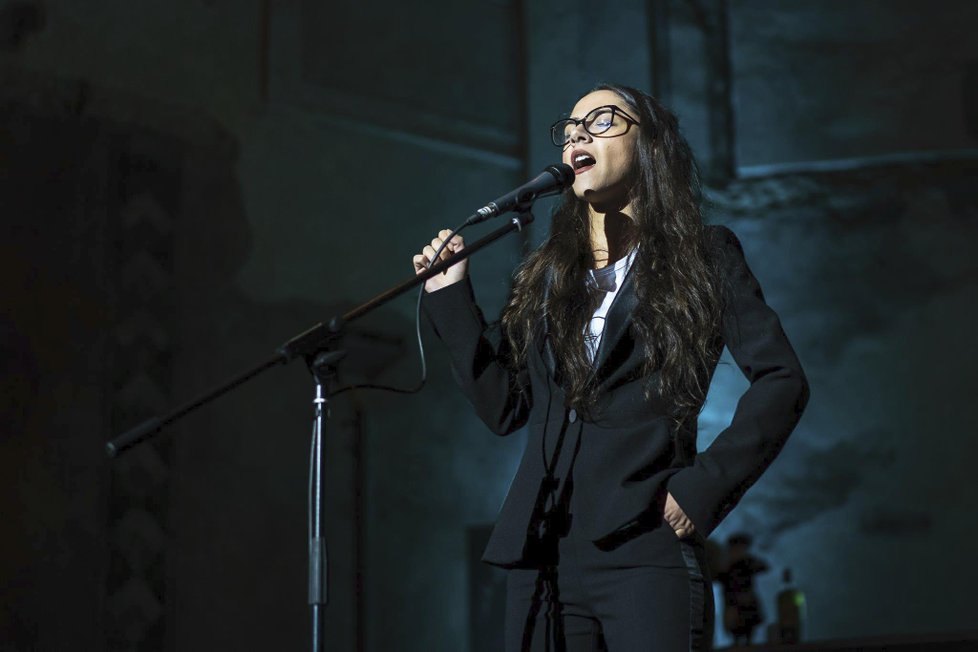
[676,518]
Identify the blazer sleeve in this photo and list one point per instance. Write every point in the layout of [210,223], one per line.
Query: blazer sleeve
[766,413]
[501,398]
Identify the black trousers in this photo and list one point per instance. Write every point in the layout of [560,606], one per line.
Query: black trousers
[593,600]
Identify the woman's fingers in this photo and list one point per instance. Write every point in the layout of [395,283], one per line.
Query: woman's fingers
[426,259]
[676,517]
[446,252]
[457,242]
[420,263]
[430,250]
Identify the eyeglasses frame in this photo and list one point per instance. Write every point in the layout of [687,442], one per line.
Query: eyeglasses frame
[615,109]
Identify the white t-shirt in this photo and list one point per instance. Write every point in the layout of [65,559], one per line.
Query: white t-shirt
[608,280]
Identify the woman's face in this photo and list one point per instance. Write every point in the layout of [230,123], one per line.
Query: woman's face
[603,164]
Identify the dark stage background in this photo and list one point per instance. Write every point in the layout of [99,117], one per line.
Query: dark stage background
[185,185]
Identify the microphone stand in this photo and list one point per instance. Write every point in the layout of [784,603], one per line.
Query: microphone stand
[318,347]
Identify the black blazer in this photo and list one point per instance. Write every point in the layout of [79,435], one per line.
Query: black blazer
[622,457]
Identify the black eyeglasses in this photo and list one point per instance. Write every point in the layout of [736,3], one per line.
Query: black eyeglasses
[606,121]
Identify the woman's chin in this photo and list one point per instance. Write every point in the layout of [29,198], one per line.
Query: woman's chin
[602,202]
[591,195]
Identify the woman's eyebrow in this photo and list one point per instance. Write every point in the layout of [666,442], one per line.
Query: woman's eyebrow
[603,106]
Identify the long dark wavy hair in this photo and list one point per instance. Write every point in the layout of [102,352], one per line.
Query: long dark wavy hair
[677,317]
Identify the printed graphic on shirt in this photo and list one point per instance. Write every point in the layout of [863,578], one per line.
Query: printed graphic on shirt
[608,280]
[592,335]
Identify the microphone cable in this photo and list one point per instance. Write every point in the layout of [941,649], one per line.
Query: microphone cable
[561,176]
[417,322]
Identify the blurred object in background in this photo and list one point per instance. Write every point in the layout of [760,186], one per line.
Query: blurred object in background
[791,615]
[742,610]
[18,20]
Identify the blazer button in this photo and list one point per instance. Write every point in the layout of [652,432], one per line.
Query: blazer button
[572,415]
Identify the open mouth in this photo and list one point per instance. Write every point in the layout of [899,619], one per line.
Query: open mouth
[582,161]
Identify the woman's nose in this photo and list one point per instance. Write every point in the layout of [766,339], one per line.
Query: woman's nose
[578,133]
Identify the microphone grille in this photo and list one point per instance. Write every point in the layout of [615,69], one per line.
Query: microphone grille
[564,174]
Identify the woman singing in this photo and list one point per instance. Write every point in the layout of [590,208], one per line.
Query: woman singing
[605,352]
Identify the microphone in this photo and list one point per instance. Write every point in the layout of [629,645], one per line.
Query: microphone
[552,180]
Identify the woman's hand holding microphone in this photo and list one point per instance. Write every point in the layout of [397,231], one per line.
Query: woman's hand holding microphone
[453,274]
